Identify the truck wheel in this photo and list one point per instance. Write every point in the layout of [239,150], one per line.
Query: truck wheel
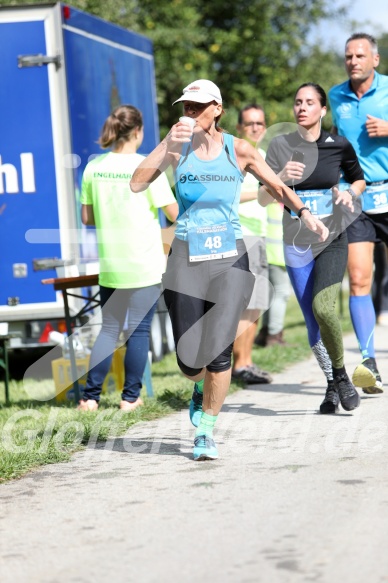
[156,339]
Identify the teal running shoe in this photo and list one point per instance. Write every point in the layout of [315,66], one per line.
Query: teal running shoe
[204,448]
[196,406]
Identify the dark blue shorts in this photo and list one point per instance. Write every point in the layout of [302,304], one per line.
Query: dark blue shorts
[371,228]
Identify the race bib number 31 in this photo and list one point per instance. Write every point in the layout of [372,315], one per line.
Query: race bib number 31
[211,242]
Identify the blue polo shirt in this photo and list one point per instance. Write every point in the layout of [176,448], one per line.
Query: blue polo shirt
[349,116]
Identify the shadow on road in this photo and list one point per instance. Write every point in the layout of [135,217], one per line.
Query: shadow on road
[152,445]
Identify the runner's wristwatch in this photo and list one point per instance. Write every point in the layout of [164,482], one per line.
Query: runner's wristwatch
[304,208]
[352,193]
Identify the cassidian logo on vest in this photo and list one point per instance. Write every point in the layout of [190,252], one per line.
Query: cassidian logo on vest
[205,178]
[9,176]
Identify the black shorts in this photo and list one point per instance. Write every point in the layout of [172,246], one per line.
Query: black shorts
[205,301]
[370,228]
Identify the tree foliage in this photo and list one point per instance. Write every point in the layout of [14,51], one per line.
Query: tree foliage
[383,50]
[255,50]
[250,48]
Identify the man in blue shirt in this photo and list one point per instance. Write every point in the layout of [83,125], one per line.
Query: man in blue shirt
[360,113]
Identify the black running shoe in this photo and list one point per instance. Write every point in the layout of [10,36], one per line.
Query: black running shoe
[368,377]
[251,375]
[348,395]
[331,401]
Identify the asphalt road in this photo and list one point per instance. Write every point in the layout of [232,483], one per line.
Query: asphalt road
[295,496]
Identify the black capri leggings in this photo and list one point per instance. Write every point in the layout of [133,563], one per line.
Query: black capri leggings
[205,301]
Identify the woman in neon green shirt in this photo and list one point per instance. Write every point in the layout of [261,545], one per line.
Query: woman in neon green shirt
[130,251]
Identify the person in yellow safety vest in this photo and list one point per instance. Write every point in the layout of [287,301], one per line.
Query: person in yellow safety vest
[272,322]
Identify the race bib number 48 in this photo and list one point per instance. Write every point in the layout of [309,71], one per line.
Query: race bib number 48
[211,242]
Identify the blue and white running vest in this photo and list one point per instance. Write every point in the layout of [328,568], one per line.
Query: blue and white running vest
[208,191]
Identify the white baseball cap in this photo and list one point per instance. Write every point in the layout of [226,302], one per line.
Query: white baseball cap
[201,91]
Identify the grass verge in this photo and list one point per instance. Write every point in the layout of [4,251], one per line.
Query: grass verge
[34,433]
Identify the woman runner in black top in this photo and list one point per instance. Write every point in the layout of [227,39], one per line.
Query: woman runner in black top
[311,161]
